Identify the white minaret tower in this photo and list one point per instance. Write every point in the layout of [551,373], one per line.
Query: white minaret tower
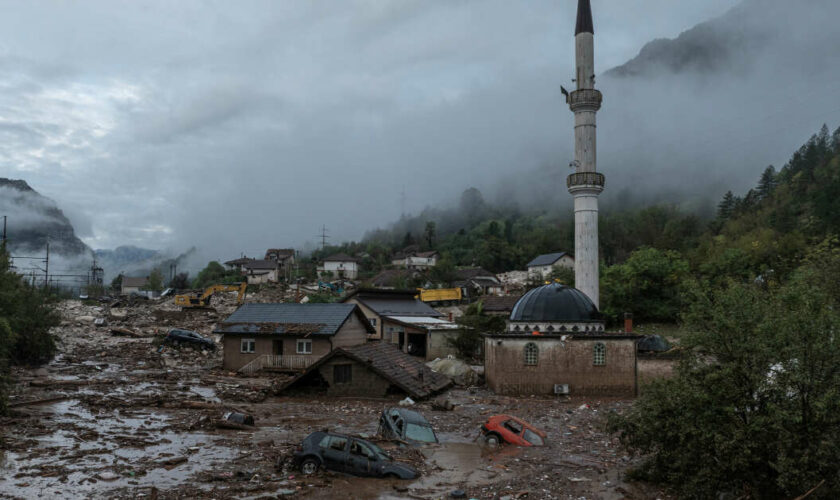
[585,184]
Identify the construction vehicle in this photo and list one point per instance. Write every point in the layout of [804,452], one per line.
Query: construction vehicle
[196,300]
[441,296]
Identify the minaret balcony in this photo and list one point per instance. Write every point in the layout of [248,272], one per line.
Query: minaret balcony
[579,181]
[585,100]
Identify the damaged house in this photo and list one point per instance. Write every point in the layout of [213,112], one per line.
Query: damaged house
[375,369]
[261,271]
[543,265]
[394,314]
[288,336]
[339,266]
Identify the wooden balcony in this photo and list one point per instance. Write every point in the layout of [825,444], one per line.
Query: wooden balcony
[282,363]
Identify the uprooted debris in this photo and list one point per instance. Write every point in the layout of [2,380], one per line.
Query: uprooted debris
[456,369]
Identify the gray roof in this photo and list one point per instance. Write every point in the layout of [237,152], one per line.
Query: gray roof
[584,18]
[399,307]
[340,257]
[131,281]
[547,259]
[290,319]
[260,264]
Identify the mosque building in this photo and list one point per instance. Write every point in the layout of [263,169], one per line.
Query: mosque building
[555,341]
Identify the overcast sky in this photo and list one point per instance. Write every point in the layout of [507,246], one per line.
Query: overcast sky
[237,126]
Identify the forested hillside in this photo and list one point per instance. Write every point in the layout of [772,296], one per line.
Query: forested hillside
[763,234]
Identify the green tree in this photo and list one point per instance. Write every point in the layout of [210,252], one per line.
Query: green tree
[753,409]
[215,273]
[429,233]
[647,284]
[468,340]
[116,283]
[154,282]
[563,275]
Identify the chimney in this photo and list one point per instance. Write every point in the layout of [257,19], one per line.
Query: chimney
[628,322]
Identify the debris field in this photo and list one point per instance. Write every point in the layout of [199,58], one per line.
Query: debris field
[118,414]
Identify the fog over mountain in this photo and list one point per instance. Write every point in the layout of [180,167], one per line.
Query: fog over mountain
[238,127]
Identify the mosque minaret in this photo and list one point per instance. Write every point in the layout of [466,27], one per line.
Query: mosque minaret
[586,183]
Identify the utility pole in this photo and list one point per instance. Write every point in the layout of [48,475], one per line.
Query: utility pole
[47,267]
[4,231]
[402,202]
[323,237]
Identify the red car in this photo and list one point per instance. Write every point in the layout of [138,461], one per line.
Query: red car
[508,429]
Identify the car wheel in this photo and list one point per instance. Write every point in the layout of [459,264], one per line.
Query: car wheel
[492,440]
[391,475]
[310,466]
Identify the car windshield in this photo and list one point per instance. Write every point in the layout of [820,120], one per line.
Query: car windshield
[421,433]
[533,438]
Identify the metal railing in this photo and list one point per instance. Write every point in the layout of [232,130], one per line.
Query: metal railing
[585,179]
[292,362]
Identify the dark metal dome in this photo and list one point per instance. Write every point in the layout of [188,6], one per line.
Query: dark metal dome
[555,302]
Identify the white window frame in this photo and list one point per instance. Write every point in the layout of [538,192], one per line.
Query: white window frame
[372,322]
[248,346]
[303,342]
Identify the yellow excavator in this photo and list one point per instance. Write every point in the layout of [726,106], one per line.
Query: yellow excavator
[195,300]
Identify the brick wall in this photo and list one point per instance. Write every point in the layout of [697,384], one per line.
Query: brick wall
[569,362]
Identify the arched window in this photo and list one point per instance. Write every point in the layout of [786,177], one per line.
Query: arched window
[599,354]
[532,353]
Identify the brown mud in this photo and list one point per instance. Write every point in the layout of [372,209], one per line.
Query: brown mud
[118,417]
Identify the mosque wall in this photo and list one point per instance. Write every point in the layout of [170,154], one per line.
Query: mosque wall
[509,371]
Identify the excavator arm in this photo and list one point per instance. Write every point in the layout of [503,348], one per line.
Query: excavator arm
[203,300]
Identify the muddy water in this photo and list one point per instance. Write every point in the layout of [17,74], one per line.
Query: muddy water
[127,450]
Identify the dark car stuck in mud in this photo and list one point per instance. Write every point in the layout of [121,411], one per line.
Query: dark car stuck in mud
[178,336]
[406,425]
[351,455]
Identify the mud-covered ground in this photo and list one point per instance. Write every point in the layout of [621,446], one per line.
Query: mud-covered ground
[119,417]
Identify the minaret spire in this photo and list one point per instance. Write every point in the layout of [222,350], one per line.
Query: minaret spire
[586,183]
[584,18]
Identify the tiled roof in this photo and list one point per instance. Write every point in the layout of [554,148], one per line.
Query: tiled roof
[133,281]
[238,262]
[388,361]
[340,257]
[547,259]
[289,318]
[500,304]
[399,307]
[261,264]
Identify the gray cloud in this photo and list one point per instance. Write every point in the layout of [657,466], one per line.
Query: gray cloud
[240,126]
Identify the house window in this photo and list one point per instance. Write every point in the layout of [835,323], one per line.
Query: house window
[304,347]
[532,353]
[599,354]
[342,374]
[248,346]
[372,322]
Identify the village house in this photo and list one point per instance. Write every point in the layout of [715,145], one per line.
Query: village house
[499,305]
[283,256]
[477,281]
[555,343]
[288,336]
[339,266]
[392,278]
[427,336]
[541,267]
[387,309]
[132,284]
[374,369]
[261,271]
[238,264]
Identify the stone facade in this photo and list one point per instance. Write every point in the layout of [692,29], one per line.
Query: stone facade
[556,361]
